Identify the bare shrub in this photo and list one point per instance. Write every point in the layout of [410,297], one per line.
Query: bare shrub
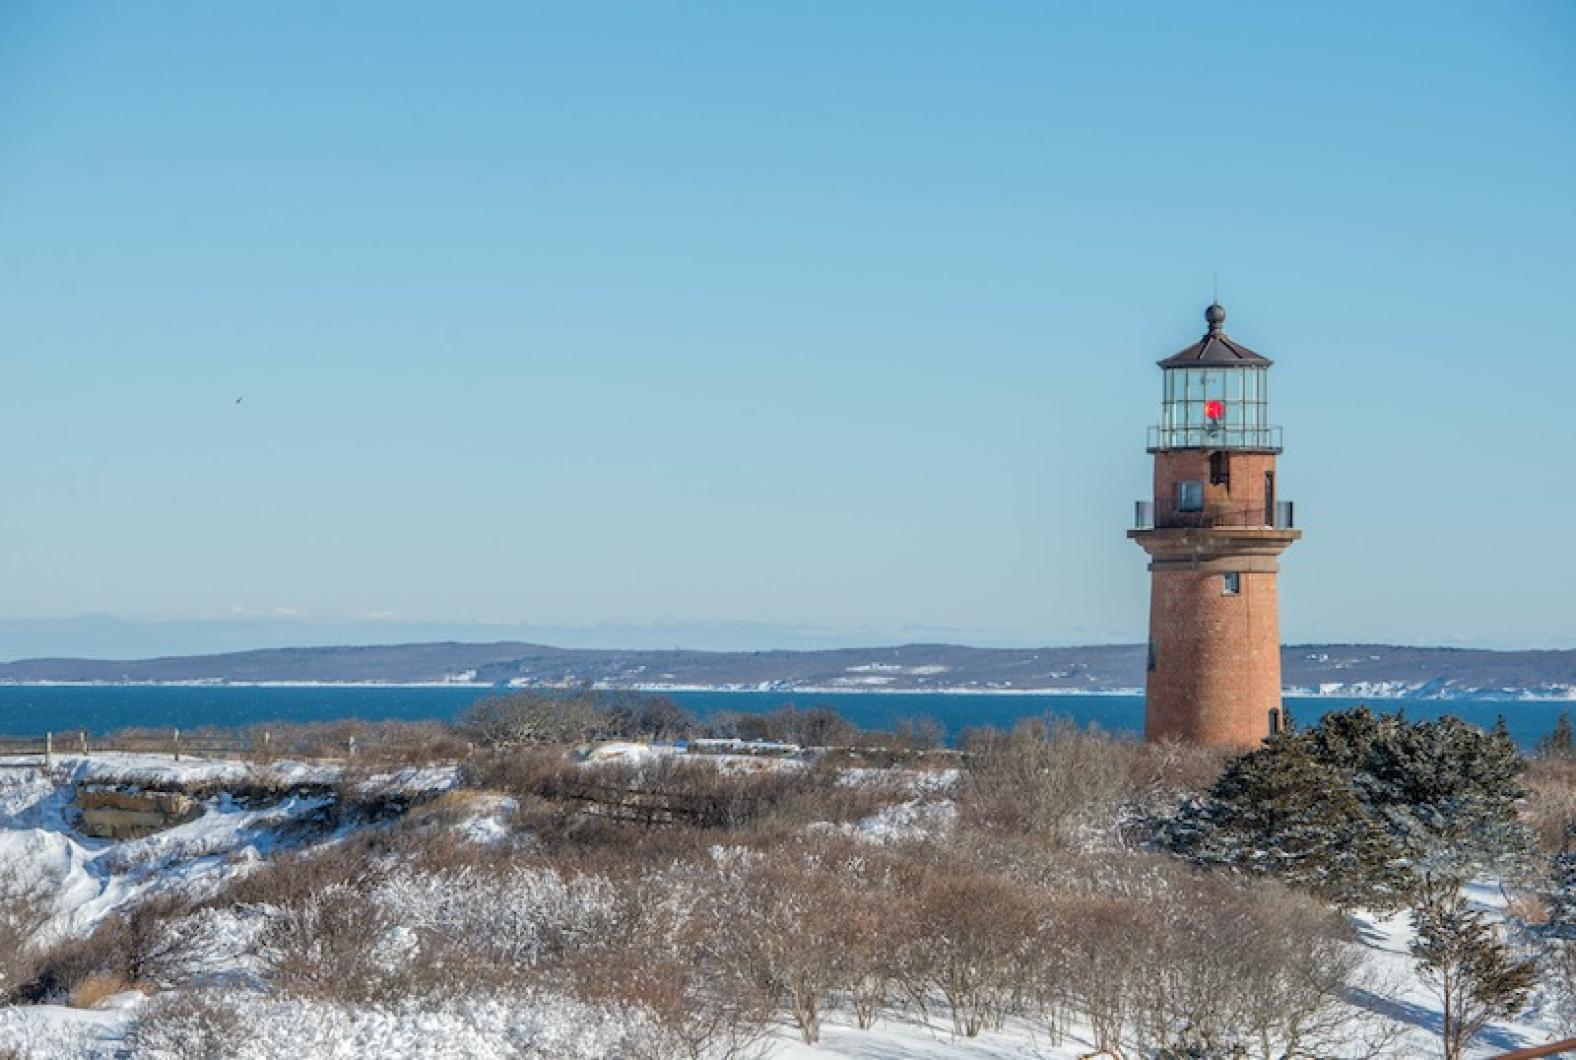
[1050,779]
[529,718]
[654,717]
[689,965]
[1107,955]
[126,946]
[535,771]
[816,727]
[1163,957]
[291,878]
[873,918]
[693,1015]
[788,913]
[514,915]
[96,988]
[974,943]
[335,946]
[1259,970]
[24,910]
[1550,806]
[186,1025]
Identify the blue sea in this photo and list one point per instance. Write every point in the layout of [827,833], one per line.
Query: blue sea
[33,710]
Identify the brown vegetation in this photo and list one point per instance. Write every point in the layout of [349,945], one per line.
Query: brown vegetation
[709,896]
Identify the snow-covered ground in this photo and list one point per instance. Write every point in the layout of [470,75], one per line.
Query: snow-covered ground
[88,879]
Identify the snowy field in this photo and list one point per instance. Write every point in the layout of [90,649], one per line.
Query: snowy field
[89,879]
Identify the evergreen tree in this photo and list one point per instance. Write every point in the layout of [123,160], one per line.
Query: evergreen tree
[1561,743]
[1280,811]
[1474,972]
[1361,806]
[1561,895]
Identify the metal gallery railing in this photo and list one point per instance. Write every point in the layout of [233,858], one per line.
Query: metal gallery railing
[1170,515]
[1256,439]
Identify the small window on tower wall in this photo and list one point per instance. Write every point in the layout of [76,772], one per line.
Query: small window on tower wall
[1219,470]
[1230,583]
[1190,496]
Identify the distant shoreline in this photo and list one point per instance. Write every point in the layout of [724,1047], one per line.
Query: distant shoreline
[1506,695]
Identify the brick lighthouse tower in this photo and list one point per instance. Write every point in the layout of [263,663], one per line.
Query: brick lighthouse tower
[1214,531]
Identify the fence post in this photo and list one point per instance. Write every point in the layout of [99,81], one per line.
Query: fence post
[352,747]
[84,736]
[268,746]
[49,750]
[176,744]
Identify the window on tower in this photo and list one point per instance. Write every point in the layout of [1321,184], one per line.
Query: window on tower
[1219,469]
[1190,496]
[1230,583]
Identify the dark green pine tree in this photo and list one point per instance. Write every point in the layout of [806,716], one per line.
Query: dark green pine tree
[1280,811]
[1561,743]
[1362,809]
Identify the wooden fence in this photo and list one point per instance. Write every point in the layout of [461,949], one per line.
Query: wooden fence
[1566,1047]
[259,747]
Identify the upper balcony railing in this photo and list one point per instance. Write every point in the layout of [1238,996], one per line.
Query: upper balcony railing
[1259,439]
[1170,516]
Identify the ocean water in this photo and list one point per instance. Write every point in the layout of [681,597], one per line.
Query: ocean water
[33,710]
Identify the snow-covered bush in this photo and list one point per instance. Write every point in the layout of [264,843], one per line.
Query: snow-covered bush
[209,946]
[334,946]
[681,958]
[519,915]
[247,1026]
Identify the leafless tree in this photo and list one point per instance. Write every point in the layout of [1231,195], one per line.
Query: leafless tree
[537,718]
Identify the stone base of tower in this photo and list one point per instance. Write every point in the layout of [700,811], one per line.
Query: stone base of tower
[1214,674]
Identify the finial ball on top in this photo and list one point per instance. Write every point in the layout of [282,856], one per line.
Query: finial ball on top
[1215,315]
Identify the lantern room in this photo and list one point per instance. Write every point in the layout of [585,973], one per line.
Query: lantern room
[1216,395]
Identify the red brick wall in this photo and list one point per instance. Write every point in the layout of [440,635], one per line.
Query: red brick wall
[1217,658]
[1245,470]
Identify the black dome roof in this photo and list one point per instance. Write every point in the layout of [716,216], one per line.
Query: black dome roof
[1215,349]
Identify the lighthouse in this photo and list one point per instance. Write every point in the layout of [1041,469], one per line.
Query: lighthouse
[1214,531]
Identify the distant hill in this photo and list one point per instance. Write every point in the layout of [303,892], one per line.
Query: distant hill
[1331,669]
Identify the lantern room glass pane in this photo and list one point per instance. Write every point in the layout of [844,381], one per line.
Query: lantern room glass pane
[1215,408]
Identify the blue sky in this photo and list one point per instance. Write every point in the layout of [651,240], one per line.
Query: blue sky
[750,325]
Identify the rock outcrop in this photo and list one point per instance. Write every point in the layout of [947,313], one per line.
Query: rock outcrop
[112,813]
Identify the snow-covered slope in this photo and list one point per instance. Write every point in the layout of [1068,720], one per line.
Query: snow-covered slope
[89,879]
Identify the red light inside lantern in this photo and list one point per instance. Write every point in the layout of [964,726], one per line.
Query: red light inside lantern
[1214,410]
